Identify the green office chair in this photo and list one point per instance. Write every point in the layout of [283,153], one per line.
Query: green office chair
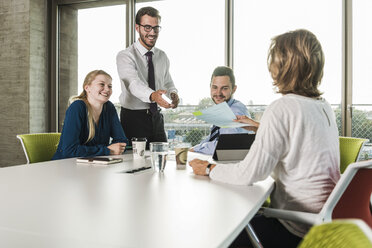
[339,234]
[39,147]
[350,149]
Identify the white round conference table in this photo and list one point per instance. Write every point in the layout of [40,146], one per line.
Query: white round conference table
[65,204]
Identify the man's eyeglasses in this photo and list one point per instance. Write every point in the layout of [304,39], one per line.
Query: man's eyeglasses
[148,28]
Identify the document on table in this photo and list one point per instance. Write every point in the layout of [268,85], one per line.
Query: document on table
[220,115]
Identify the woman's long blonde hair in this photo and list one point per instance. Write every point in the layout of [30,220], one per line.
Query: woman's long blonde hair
[83,96]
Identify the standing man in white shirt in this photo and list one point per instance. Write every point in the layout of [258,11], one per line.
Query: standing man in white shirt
[144,73]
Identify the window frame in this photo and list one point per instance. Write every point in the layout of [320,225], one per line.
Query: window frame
[53,50]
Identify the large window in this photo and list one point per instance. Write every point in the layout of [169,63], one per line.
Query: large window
[89,39]
[256,22]
[101,36]
[192,36]
[362,64]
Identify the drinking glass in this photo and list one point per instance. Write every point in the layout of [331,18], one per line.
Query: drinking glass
[159,154]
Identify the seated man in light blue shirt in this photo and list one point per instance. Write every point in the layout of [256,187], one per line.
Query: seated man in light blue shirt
[222,89]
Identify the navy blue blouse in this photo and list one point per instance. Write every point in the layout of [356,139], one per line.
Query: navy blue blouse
[76,131]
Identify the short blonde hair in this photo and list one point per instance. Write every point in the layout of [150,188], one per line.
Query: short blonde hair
[296,62]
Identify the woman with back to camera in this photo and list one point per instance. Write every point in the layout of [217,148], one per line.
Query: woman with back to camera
[296,142]
[91,120]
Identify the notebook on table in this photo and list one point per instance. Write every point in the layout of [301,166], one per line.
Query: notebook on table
[99,160]
[233,147]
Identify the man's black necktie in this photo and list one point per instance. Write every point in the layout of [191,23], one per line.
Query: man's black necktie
[215,132]
[151,79]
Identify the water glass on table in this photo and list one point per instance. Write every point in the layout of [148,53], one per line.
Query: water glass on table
[159,155]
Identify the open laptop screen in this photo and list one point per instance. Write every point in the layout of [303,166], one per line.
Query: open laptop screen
[233,147]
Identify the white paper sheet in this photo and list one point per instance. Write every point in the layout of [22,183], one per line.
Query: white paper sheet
[220,115]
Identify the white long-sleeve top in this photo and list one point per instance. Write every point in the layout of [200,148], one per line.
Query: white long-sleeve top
[133,72]
[297,143]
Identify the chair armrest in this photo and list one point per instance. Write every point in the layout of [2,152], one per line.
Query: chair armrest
[297,216]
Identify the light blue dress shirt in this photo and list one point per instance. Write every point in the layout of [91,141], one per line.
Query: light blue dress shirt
[238,108]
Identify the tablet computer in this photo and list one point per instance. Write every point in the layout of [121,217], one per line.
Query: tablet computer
[233,147]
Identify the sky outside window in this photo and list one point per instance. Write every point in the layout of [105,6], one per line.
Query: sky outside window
[193,37]
[101,35]
[362,52]
[193,33]
[256,22]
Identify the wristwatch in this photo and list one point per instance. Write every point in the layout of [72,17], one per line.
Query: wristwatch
[208,169]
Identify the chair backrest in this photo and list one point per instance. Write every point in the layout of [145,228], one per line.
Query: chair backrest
[350,150]
[351,196]
[339,234]
[39,147]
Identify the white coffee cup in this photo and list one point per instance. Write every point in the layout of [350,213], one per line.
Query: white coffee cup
[139,147]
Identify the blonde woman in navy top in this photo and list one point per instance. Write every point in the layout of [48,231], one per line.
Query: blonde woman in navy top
[91,120]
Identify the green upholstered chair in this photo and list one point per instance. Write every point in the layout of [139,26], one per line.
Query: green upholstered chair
[39,147]
[350,149]
[339,234]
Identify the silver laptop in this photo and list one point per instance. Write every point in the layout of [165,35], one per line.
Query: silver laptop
[233,147]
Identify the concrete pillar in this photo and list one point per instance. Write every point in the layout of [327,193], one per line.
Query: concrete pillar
[23,75]
[68,58]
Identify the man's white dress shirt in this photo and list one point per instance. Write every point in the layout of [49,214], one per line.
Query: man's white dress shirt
[133,72]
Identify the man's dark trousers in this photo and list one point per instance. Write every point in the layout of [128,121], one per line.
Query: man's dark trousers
[143,124]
